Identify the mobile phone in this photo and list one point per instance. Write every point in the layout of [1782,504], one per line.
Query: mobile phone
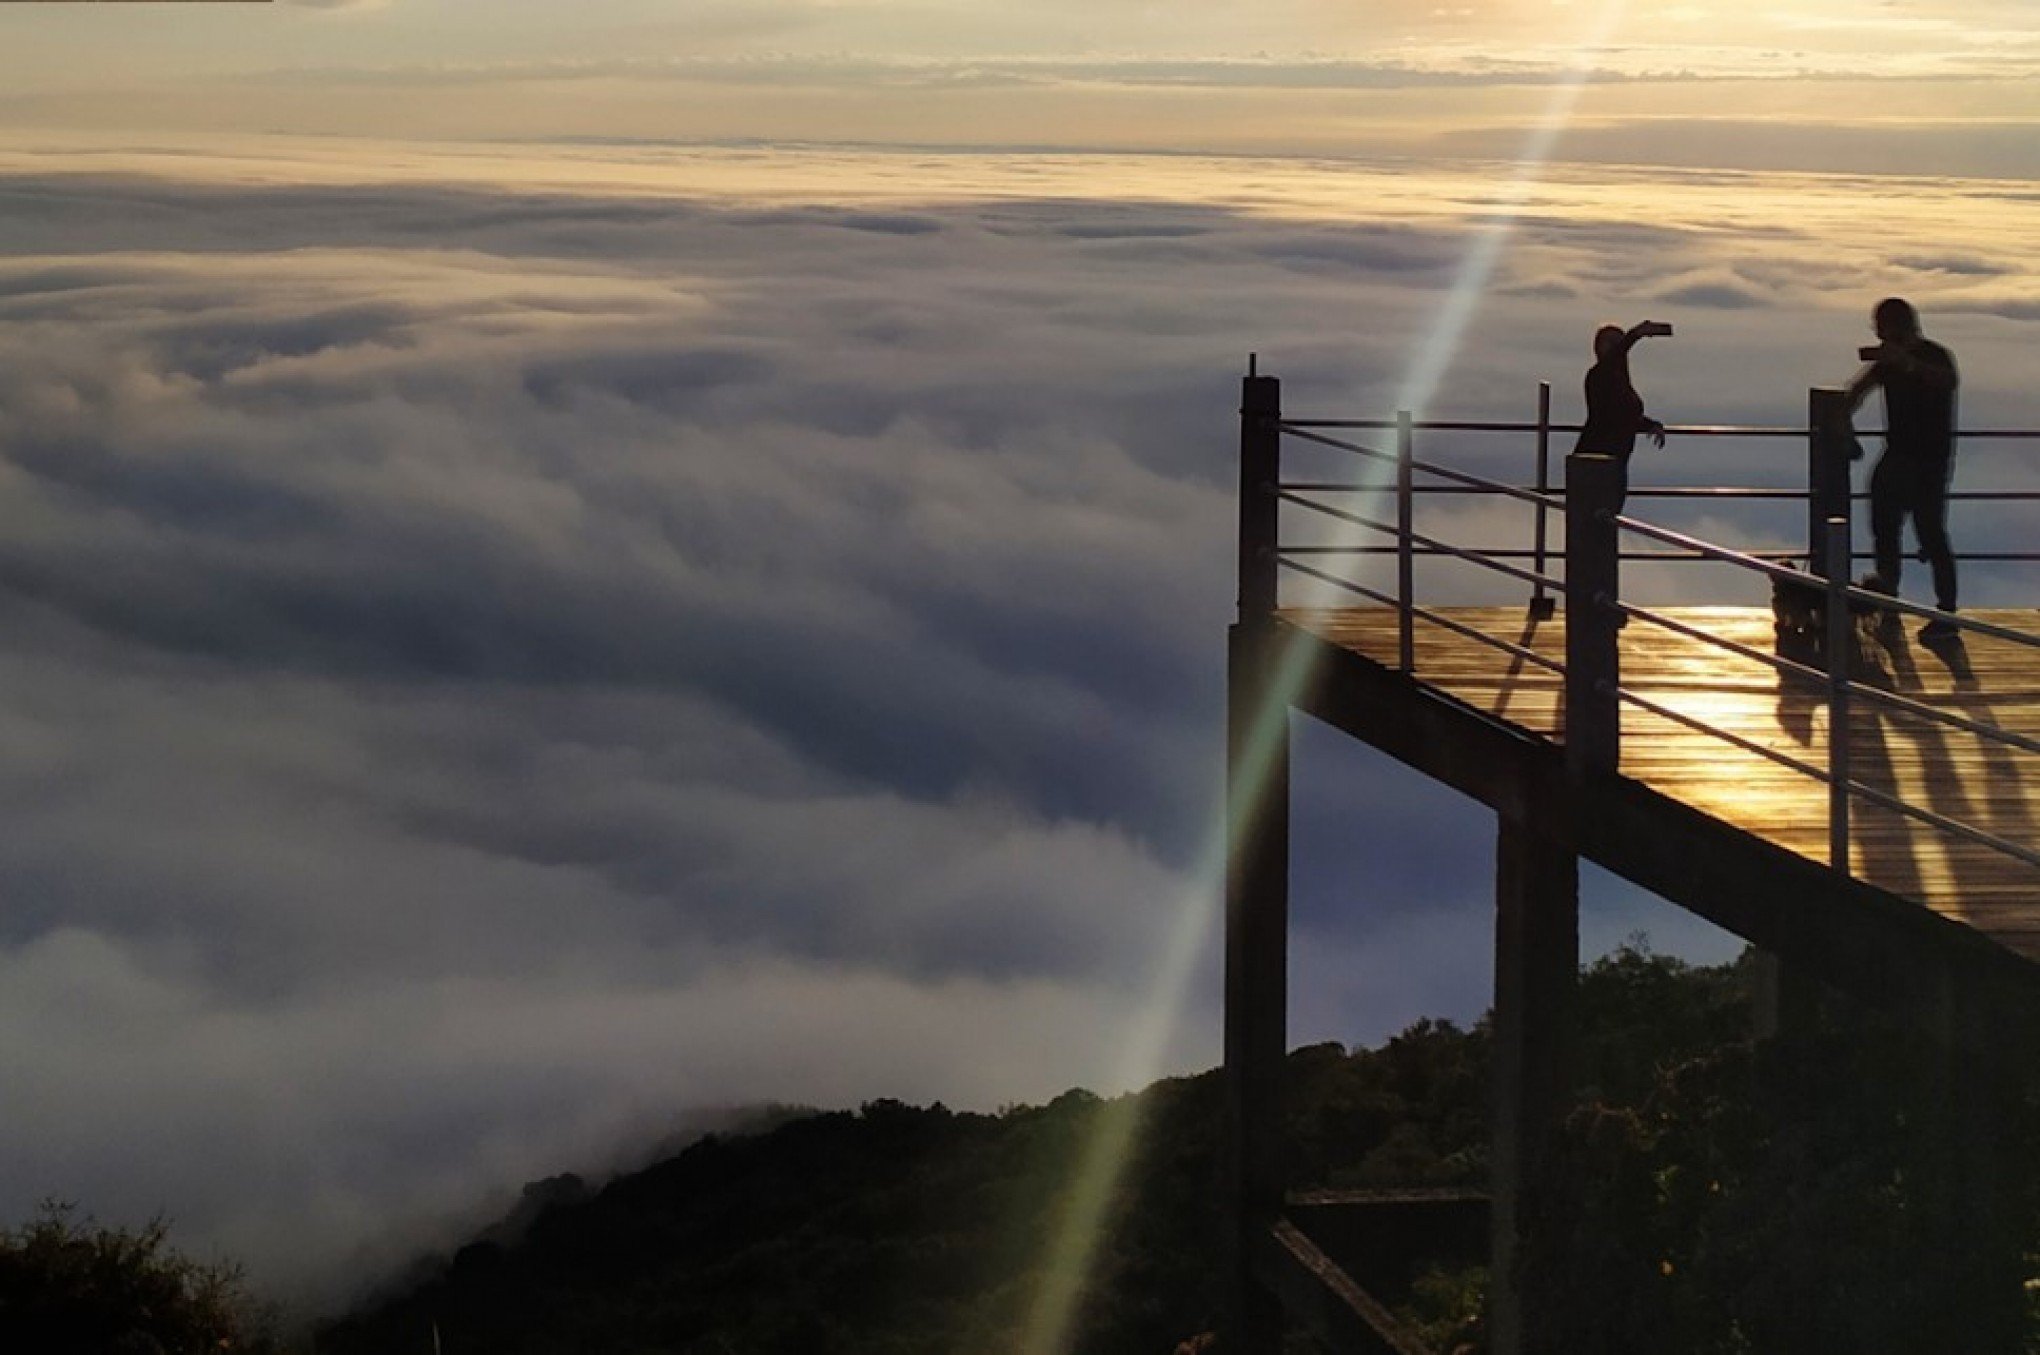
[1871,353]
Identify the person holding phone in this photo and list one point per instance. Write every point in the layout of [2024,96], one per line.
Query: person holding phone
[1614,410]
[1918,378]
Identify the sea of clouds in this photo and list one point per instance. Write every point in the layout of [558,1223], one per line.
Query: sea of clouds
[495,662]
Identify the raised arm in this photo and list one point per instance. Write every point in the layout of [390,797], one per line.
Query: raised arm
[1648,329]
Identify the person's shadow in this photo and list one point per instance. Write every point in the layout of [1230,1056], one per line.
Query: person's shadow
[1953,654]
[1947,758]
[2012,816]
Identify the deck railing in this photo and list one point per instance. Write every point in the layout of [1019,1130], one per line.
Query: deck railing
[1598,538]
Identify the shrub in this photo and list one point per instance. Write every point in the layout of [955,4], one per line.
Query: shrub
[70,1284]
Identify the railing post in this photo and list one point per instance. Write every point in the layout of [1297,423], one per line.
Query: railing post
[1828,440]
[1256,972]
[1532,1038]
[1256,878]
[1542,606]
[1593,715]
[1405,555]
[1840,642]
[1260,474]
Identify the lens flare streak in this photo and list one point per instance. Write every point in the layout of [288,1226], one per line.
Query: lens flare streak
[1086,1206]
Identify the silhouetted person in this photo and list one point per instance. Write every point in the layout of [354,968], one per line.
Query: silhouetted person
[1614,410]
[1919,380]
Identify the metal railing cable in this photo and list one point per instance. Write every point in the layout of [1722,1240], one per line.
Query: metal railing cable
[1372,453]
[1984,729]
[1660,556]
[1496,553]
[1827,680]
[1996,733]
[1699,726]
[1710,430]
[1776,662]
[1993,733]
[1863,597]
[1481,484]
[1430,544]
[1873,602]
[1711,493]
[1843,689]
[1435,618]
[1691,549]
[1708,549]
[1474,483]
[1672,430]
[1371,594]
[1952,827]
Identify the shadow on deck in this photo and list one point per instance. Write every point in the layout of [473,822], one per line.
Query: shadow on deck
[1962,776]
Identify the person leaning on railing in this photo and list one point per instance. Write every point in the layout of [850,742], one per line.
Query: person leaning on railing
[1919,381]
[1614,410]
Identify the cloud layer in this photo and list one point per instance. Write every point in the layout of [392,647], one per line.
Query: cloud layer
[493,657]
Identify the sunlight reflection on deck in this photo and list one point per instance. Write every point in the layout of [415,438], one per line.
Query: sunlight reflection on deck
[1955,773]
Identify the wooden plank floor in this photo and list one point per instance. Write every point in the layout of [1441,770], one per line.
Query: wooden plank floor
[1950,771]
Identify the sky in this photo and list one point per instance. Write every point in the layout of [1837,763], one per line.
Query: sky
[564,568]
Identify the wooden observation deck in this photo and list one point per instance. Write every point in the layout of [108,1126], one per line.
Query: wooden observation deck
[1849,798]
[1912,757]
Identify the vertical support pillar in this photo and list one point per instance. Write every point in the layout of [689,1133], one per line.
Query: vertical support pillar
[1256,885]
[1593,714]
[1828,444]
[1256,972]
[1405,545]
[1785,1002]
[1542,606]
[1260,474]
[1975,1242]
[1536,970]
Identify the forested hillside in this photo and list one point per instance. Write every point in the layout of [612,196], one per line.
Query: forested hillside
[1700,1172]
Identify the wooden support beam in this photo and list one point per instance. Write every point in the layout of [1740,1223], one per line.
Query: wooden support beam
[1850,935]
[1784,1000]
[1325,1298]
[1975,1222]
[1421,727]
[1855,937]
[1382,1237]
[1537,951]
[1256,968]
